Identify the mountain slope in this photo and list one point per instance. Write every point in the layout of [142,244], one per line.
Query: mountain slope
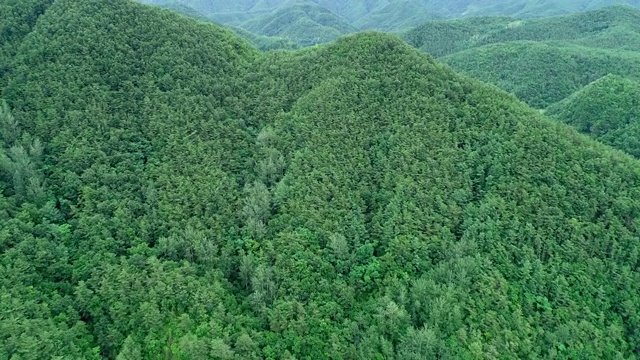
[518,8]
[306,24]
[189,197]
[542,61]
[17,18]
[397,16]
[588,28]
[541,74]
[354,10]
[607,109]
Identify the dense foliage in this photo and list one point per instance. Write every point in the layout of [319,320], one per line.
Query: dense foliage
[357,9]
[541,61]
[306,24]
[607,109]
[169,192]
[17,18]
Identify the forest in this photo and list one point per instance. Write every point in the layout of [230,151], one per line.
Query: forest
[310,22]
[168,190]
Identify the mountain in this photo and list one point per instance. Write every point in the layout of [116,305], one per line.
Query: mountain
[384,15]
[542,74]
[354,10]
[265,43]
[542,61]
[607,109]
[169,191]
[397,16]
[305,24]
[520,8]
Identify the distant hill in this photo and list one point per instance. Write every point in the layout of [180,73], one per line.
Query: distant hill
[266,43]
[590,28]
[541,60]
[397,16]
[385,15]
[305,24]
[607,109]
[540,73]
[168,191]
[354,10]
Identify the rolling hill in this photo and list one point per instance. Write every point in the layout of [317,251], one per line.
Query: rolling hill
[542,61]
[305,24]
[520,8]
[357,9]
[397,16]
[384,15]
[168,191]
[607,109]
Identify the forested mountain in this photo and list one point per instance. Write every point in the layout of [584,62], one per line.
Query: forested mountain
[306,24]
[168,191]
[607,109]
[386,15]
[541,61]
[356,9]
[399,15]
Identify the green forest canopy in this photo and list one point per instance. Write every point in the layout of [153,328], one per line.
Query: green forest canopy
[168,191]
[607,109]
[386,15]
[542,61]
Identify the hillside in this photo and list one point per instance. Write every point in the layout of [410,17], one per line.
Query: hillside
[384,15]
[541,74]
[305,24]
[397,16]
[520,8]
[353,10]
[170,192]
[607,109]
[17,18]
[542,61]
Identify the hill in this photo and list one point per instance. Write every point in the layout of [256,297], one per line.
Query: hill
[541,74]
[397,16]
[384,15]
[353,10]
[305,24]
[520,8]
[607,109]
[587,29]
[542,60]
[167,190]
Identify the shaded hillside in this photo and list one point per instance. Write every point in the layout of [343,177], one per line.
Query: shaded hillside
[305,24]
[169,191]
[607,109]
